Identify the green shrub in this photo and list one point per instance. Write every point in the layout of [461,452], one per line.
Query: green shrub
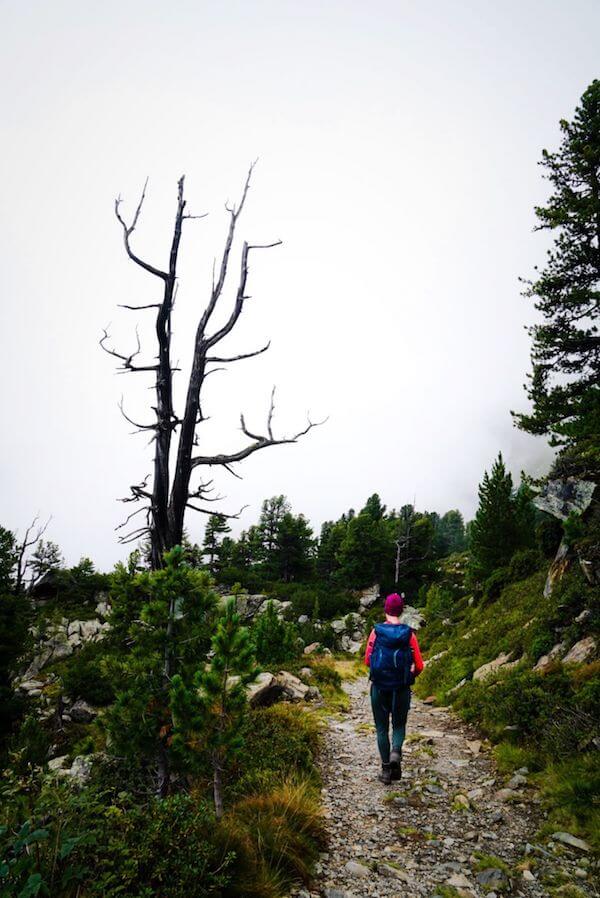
[275,640]
[548,535]
[570,790]
[523,563]
[495,583]
[325,674]
[277,740]
[84,676]
[101,845]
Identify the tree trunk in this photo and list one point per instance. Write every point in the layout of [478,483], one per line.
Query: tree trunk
[217,789]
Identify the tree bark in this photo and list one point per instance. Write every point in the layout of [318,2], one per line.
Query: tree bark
[170,496]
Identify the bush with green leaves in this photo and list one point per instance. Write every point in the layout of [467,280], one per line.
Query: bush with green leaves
[275,639]
[85,675]
[108,844]
[278,740]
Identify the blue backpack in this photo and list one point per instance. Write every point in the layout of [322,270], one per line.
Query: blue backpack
[392,656]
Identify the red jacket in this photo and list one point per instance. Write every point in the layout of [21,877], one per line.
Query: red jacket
[413,644]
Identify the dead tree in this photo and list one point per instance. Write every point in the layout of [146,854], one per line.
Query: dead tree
[166,500]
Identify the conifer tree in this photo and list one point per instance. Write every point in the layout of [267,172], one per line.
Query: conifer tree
[292,556]
[274,639]
[208,713]
[165,617]
[494,532]
[564,385]
[216,527]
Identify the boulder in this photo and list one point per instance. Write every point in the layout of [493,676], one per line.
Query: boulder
[352,646]
[571,841]
[82,712]
[368,597]
[57,763]
[412,618]
[80,770]
[303,619]
[546,660]
[493,878]
[486,669]
[312,648]
[561,498]
[282,687]
[581,651]
[338,626]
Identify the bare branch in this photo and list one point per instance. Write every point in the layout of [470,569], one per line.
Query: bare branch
[128,231]
[126,359]
[237,358]
[152,305]
[229,517]
[260,442]
[134,423]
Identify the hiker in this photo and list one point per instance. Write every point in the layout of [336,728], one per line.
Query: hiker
[394,661]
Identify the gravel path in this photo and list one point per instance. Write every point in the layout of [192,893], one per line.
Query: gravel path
[435,825]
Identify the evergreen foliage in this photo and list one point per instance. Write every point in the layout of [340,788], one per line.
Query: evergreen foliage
[503,523]
[208,712]
[275,640]
[216,527]
[564,383]
[165,617]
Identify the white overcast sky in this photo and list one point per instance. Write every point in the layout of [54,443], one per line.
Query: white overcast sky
[398,145]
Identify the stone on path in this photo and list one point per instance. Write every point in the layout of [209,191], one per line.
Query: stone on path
[571,841]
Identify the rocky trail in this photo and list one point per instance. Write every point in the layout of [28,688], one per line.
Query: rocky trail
[451,821]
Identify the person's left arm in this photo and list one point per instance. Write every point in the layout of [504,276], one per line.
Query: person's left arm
[417,658]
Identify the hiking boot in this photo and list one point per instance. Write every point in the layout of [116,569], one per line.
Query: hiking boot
[396,763]
[386,774]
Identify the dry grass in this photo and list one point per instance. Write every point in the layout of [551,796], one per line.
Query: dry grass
[276,839]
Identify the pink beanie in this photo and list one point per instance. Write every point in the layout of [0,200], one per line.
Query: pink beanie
[394,605]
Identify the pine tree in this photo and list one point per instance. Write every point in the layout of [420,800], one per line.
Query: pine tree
[165,617]
[274,639]
[292,557]
[564,383]
[216,527]
[46,557]
[494,533]
[208,713]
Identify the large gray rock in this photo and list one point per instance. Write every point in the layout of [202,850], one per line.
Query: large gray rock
[493,878]
[561,498]
[553,655]
[369,596]
[412,618]
[581,651]
[82,712]
[571,841]
[282,687]
[492,666]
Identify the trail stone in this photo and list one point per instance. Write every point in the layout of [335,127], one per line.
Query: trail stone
[493,878]
[459,881]
[356,869]
[571,841]
[516,781]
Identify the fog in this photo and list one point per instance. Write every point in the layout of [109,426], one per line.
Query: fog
[397,147]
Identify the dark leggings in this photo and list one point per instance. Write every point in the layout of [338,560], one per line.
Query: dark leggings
[386,702]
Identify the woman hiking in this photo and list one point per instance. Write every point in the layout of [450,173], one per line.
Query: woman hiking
[394,661]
